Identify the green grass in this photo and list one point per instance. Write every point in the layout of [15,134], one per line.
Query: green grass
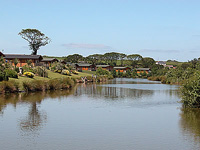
[52,75]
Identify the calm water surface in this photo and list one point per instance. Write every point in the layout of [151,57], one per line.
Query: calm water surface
[124,114]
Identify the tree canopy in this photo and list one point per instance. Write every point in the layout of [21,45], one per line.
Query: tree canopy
[75,58]
[35,38]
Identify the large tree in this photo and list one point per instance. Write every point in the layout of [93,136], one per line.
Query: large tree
[134,59]
[35,38]
[75,58]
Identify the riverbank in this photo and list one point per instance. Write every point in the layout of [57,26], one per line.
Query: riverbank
[54,81]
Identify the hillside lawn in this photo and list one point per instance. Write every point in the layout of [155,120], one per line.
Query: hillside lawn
[51,75]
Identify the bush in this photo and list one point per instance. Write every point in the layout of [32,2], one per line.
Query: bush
[40,71]
[190,91]
[26,68]
[35,85]
[74,72]
[17,69]
[11,73]
[54,84]
[114,73]
[66,72]
[9,87]
[101,71]
[29,74]
[3,76]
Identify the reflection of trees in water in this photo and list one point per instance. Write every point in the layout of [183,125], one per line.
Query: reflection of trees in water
[35,118]
[29,98]
[190,123]
[94,90]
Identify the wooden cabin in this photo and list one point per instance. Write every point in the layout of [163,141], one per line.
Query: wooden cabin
[22,59]
[81,66]
[142,70]
[121,69]
[48,61]
[105,67]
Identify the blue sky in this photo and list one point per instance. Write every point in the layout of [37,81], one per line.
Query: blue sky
[161,29]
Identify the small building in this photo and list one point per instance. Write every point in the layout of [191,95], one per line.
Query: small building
[105,67]
[48,61]
[35,59]
[169,66]
[82,66]
[163,63]
[142,70]
[121,69]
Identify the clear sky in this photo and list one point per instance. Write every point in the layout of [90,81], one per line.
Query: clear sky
[161,29]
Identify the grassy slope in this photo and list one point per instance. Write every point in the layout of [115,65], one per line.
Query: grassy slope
[51,75]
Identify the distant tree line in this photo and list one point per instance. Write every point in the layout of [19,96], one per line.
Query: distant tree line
[113,59]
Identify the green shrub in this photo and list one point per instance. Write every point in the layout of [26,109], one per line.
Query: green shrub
[101,71]
[11,73]
[54,84]
[9,87]
[41,71]
[17,69]
[3,76]
[190,91]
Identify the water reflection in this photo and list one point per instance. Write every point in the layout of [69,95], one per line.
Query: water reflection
[190,123]
[122,114]
[109,92]
[30,98]
[35,119]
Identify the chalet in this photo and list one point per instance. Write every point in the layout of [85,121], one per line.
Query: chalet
[121,69]
[48,61]
[105,67]
[163,63]
[170,66]
[22,59]
[82,66]
[142,70]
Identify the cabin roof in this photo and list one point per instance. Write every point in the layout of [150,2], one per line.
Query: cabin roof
[161,62]
[121,67]
[143,69]
[22,56]
[83,65]
[102,65]
[49,59]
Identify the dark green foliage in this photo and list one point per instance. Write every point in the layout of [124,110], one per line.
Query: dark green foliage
[190,91]
[17,69]
[114,73]
[75,58]
[147,62]
[15,62]
[11,73]
[101,71]
[128,73]
[3,76]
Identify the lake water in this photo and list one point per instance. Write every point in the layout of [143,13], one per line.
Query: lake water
[123,114]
